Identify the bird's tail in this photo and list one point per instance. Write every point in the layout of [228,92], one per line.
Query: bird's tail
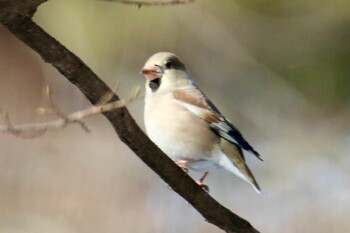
[232,159]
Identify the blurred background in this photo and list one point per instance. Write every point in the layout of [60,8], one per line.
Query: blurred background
[278,69]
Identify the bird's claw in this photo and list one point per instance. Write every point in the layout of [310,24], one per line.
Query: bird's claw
[201,180]
[204,186]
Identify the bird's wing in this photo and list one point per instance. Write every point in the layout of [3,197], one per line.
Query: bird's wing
[195,101]
[234,152]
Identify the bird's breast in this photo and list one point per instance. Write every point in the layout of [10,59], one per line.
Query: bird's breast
[177,131]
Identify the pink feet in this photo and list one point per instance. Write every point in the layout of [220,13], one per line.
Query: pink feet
[200,182]
[183,164]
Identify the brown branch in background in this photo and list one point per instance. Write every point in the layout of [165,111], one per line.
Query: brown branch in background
[139,4]
[16,17]
[31,131]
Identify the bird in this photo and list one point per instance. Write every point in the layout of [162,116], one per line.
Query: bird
[181,120]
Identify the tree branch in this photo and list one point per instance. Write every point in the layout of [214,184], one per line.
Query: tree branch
[139,4]
[34,130]
[16,16]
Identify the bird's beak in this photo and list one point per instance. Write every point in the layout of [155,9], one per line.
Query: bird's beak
[151,72]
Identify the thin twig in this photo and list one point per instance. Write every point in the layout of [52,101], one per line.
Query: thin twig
[109,95]
[139,4]
[30,131]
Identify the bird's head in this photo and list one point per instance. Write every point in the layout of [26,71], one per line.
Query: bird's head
[164,72]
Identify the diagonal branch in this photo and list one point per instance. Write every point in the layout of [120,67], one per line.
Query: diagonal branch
[16,16]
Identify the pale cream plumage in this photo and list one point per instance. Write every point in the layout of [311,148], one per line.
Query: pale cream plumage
[186,126]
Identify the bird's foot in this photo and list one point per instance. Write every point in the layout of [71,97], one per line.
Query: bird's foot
[184,169]
[201,180]
[183,164]
[204,187]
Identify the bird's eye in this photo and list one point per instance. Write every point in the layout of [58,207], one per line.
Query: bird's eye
[168,64]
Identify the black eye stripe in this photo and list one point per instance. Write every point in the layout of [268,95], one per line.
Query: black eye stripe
[174,63]
[168,64]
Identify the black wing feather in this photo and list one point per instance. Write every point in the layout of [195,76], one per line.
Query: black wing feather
[226,129]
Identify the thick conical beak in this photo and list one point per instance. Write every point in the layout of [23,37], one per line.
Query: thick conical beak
[151,72]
